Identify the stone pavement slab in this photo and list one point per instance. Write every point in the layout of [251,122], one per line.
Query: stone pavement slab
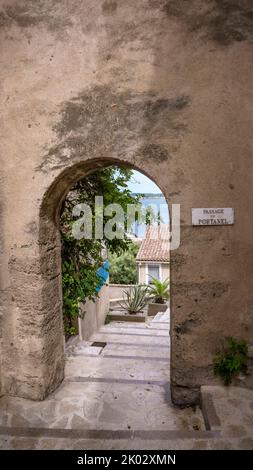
[234,407]
[118,397]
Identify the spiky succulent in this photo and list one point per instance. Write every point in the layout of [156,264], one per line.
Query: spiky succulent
[135,299]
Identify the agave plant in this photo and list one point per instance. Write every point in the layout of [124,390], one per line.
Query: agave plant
[135,299]
[160,290]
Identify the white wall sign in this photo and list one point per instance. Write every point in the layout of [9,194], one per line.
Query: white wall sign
[213,216]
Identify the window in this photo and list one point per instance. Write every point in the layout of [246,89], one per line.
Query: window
[153,272]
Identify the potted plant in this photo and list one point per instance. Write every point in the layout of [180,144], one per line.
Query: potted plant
[159,290]
[136,299]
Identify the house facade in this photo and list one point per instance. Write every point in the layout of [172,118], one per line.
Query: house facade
[153,257]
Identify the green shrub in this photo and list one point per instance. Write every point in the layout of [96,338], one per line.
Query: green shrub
[231,359]
[123,269]
[79,280]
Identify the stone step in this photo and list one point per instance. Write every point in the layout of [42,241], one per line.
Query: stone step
[131,339]
[134,331]
[116,368]
[162,317]
[137,352]
[154,436]
[148,325]
[44,439]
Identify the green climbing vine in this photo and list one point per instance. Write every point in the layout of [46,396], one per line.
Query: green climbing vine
[81,258]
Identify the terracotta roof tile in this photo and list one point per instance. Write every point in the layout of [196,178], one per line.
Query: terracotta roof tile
[155,245]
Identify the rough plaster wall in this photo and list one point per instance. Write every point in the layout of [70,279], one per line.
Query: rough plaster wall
[163,85]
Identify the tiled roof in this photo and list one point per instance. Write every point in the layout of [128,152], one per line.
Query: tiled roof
[155,245]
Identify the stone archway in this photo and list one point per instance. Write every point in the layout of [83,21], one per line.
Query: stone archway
[50,260]
[39,290]
[33,363]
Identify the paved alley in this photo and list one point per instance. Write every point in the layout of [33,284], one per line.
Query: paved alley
[115,395]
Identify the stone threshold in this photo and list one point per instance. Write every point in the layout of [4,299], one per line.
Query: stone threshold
[211,419]
[142,345]
[155,435]
[113,356]
[158,383]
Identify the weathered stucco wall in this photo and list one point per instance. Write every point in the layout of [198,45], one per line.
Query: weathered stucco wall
[163,85]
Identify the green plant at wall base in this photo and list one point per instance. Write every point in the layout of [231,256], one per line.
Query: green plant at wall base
[135,299]
[160,290]
[231,359]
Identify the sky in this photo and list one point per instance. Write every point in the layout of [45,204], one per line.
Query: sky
[141,184]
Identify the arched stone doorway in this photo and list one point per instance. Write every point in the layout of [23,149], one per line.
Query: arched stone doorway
[42,362]
[50,247]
